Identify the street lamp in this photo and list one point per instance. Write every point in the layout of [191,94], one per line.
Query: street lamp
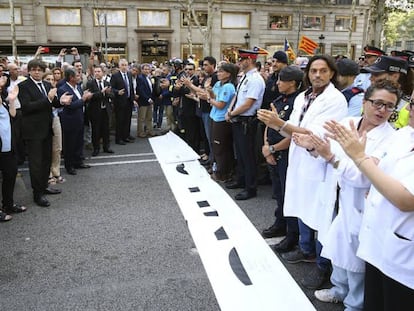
[247,39]
[321,44]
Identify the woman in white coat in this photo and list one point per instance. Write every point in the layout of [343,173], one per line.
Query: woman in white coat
[386,237]
[341,241]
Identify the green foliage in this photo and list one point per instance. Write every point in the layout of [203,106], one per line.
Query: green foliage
[399,25]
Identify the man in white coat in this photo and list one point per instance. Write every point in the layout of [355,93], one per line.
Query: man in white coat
[306,173]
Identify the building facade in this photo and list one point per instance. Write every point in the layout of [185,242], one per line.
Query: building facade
[158,30]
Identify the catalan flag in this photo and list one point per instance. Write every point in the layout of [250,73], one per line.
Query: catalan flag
[289,51]
[307,45]
[260,51]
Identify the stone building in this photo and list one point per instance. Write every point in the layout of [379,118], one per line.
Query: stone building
[157,30]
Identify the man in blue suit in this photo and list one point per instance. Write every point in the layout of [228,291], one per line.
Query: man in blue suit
[72,121]
[145,102]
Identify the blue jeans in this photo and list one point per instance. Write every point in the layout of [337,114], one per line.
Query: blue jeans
[310,245]
[205,117]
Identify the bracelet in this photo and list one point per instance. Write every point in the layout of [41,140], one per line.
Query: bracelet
[358,163]
[282,127]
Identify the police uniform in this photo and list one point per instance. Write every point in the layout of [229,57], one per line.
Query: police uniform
[244,128]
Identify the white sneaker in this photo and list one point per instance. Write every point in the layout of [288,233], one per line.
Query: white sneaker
[325,295]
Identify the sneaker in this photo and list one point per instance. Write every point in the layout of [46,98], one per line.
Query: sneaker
[274,231]
[325,295]
[315,278]
[297,256]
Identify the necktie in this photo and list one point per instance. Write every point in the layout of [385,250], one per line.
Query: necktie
[100,85]
[126,82]
[42,89]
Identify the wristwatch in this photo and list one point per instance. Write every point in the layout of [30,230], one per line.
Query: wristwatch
[272,149]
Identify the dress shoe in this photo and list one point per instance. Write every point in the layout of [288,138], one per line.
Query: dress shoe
[14,209]
[286,245]
[108,150]
[95,152]
[126,140]
[131,138]
[49,190]
[120,142]
[245,195]
[82,166]
[142,135]
[41,200]
[234,185]
[274,231]
[71,171]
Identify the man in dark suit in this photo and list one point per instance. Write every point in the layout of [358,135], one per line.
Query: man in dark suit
[122,88]
[72,121]
[145,102]
[37,98]
[99,110]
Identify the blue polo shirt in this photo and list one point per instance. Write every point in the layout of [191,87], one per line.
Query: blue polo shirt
[224,93]
[5,129]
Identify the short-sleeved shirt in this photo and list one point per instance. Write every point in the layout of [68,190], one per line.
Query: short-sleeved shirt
[252,86]
[5,129]
[224,93]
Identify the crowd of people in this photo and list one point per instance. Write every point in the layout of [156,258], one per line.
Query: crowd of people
[335,136]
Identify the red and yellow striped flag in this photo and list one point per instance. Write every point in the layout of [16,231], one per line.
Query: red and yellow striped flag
[307,45]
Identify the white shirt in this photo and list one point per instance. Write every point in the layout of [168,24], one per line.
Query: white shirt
[387,234]
[253,87]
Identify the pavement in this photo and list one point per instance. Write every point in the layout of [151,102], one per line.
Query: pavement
[115,239]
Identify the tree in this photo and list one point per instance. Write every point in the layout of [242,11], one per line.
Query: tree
[400,25]
[192,18]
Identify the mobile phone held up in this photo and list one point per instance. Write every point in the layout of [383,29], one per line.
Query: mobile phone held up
[46,49]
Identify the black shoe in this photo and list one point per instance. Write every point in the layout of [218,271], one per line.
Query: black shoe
[316,278]
[274,231]
[41,200]
[286,245]
[16,208]
[71,171]
[131,138]
[120,142]
[95,152]
[126,140]
[49,190]
[107,150]
[82,166]
[234,185]
[245,195]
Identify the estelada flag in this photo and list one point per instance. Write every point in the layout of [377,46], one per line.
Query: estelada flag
[260,51]
[308,45]
[289,51]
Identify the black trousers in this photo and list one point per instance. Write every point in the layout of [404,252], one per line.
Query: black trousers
[40,156]
[278,176]
[385,294]
[100,129]
[244,134]
[191,125]
[222,142]
[123,115]
[72,146]
[8,167]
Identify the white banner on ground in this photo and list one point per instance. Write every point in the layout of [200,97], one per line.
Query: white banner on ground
[244,272]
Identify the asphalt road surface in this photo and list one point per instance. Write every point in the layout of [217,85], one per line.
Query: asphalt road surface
[115,239]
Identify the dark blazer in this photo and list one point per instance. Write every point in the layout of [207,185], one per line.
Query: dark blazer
[143,91]
[36,110]
[71,116]
[117,84]
[94,107]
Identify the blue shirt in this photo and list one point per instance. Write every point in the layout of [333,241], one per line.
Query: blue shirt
[224,93]
[5,129]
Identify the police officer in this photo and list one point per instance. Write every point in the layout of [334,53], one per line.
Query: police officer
[275,149]
[242,114]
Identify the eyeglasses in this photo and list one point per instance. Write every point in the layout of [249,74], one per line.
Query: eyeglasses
[379,103]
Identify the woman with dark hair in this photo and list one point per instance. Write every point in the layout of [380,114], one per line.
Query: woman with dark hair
[219,97]
[387,228]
